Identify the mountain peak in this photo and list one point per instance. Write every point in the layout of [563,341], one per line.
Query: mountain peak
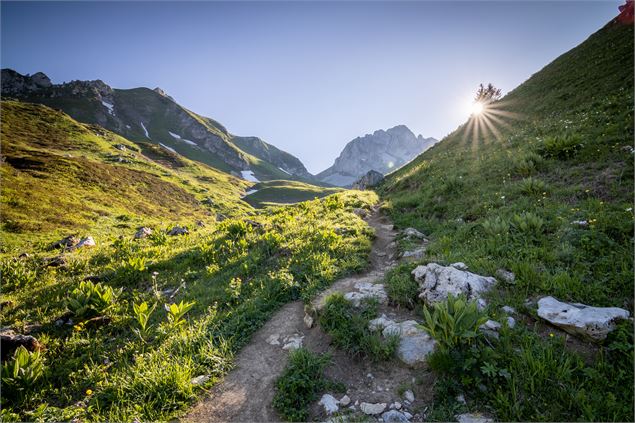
[162,93]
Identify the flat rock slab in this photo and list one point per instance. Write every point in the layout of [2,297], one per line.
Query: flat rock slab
[367,290]
[473,418]
[414,343]
[436,282]
[593,323]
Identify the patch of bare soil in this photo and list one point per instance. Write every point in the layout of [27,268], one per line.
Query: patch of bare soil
[246,393]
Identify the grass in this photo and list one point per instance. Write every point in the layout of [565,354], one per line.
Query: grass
[509,200]
[286,192]
[301,383]
[166,309]
[348,328]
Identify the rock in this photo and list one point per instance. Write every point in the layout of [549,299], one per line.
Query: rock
[345,400]
[57,261]
[416,254]
[409,396]
[200,380]
[506,276]
[292,342]
[371,179]
[329,403]
[394,416]
[460,265]
[509,310]
[66,242]
[380,323]
[361,213]
[273,339]
[511,322]
[142,232]
[491,328]
[481,304]
[178,230]
[436,282]
[408,415]
[473,418]
[593,323]
[461,399]
[9,342]
[413,233]
[414,343]
[397,405]
[367,290]
[85,242]
[308,320]
[200,223]
[582,223]
[372,409]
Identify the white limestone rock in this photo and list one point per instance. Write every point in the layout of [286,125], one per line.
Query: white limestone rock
[372,409]
[367,290]
[394,416]
[436,282]
[409,396]
[593,323]
[329,403]
[473,418]
[413,233]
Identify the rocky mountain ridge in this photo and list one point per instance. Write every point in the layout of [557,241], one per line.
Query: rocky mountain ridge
[145,115]
[382,151]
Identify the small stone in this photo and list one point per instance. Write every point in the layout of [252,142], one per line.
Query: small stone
[84,242]
[372,409]
[397,405]
[460,265]
[416,254]
[408,415]
[308,320]
[413,233]
[292,342]
[329,403]
[143,232]
[370,376]
[461,399]
[473,418]
[506,276]
[509,310]
[511,322]
[273,339]
[345,400]
[394,416]
[200,380]
[409,395]
[178,230]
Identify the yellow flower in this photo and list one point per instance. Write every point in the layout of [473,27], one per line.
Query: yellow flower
[551,335]
[89,391]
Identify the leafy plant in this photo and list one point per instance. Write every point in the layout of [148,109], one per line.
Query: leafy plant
[158,237]
[15,273]
[561,147]
[453,322]
[90,299]
[528,223]
[300,383]
[176,313]
[532,186]
[401,288]
[21,373]
[142,314]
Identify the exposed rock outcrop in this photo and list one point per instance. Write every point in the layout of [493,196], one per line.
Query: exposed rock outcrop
[436,282]
[371,179]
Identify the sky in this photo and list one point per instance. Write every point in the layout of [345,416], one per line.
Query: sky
[307,77]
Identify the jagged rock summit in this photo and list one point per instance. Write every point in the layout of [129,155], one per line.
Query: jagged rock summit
[382,151]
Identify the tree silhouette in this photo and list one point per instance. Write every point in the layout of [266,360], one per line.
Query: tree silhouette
[487,94]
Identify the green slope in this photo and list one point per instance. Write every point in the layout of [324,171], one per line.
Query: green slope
[510,199]
[285,192]
[60,175]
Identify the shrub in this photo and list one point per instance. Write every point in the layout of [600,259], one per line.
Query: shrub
[90,299]
[20,373]
[348,328]
[453,322]
[528,223]
[526,164]
[300,383]
[561,147]
[532,186]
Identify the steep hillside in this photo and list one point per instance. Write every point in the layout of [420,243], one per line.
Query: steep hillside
[285,192]
[145,115]
[540,184]
[59,175]
[382,151]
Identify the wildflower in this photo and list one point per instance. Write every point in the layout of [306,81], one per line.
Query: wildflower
[89,391]
[629,209]
[502,197]
[551,335]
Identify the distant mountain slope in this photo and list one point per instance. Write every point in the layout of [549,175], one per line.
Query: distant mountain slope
[382,151]
[145,115]
[59,174]
[543,187]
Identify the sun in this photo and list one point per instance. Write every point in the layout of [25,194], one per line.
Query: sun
[477,108]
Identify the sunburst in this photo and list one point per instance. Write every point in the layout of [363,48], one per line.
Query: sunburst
[487,118]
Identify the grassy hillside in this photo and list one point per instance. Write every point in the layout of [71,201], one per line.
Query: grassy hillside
[60,175]
[513,197]
[285,192]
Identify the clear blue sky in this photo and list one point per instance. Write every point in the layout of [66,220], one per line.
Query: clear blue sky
[307,77]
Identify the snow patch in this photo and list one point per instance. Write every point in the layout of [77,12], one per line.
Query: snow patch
[249,175]
[167,148]
[109,106]
[145,130]
[249,192]
[180,138]
[284,171]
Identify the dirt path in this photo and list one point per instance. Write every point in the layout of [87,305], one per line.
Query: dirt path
[246,393]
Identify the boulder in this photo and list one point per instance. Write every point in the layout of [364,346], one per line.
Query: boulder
[178,230]
[142,232]
[413,233]
[367,290]
[9,342]
[329,403]
[372,409]
[436,282]
[593,323]
[85,242]
[394,416]
[414,343]
[66,242]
